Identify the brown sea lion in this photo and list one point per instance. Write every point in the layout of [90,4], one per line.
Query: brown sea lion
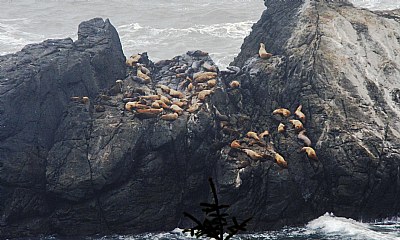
[263,53]
[300,114]
[310,152]
[235,144]
[176,109]
[280,160]
[234,84]
[281,128]
[133,60]
[203,94]
[263,134]
[253,135]
[297,124]
[282,111]
[211,83]
[204,76]
[252,154]
[151,97]
[170,116]
[131,105]
[176,94]
[193,108]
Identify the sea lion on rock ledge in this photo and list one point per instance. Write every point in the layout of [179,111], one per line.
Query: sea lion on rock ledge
[263,53]
[310,152]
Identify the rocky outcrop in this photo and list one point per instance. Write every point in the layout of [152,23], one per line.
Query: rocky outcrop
[36,86]
[72,166]
[341,65]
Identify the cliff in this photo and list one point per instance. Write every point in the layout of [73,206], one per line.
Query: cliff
[73,166]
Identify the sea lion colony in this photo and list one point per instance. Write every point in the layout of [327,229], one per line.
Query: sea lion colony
[182,87]
[259,147]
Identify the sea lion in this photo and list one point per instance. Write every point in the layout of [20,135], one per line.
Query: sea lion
[194,107]
[204,76]
[238,180]
[143,76]
[209,67]
[234,84]
[302,136]
[263,134]
[235,144]
[170,116]
[150,110]
[281,128]
[155,105]
[176,94]
[203,94]
[297,124]
[253,135]
[176,109]
[310,152]
[280,160]
[164,88]
[165,100]
[180,103]
[85,100]
[252,154]
[263,53]
[130,105]
[144,69]
[300,114]
[190,87]
[197,53]
[148,113]
[211,83]
[76,99]
[162,104]
[119,82]
[282,111]
[151,97]
[133,60]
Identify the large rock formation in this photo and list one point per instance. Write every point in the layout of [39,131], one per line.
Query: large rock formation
[86,167]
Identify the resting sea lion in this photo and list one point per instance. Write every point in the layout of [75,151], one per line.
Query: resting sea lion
[280,160]
[235,144]
[281,128]
[310,152]
[263,134]
[297,124]
[253,135]
[282,111]
[302,136]
[234,84]
[263,53]
[170,116]
[300,114]
[252,154]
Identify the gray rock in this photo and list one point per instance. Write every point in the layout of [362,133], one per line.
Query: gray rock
[67,168]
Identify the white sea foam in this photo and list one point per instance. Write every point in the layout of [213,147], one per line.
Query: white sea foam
[347,228]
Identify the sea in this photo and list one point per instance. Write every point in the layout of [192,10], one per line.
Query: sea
[164,29]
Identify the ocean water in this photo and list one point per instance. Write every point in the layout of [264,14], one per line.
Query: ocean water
[327,227]
[165,28]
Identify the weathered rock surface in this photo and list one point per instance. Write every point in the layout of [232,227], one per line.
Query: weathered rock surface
[76,167]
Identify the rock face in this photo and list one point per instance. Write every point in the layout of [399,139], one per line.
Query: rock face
[74,167]
[36,86]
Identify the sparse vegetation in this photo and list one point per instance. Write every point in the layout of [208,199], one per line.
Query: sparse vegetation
[215,223]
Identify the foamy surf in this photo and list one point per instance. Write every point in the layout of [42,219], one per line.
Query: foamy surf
[346,228]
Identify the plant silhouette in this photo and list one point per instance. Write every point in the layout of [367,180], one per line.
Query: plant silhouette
[215,222]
